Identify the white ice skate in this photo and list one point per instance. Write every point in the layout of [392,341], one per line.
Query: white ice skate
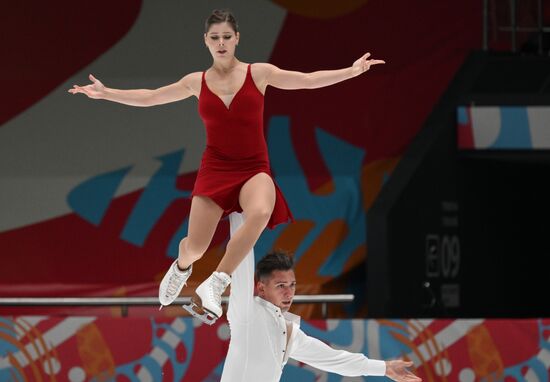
[207,304]
[173,282]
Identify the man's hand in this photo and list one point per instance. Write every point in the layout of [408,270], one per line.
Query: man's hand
[397,370]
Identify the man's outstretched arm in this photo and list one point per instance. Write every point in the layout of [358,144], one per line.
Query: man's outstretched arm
[241,296]
[316,353]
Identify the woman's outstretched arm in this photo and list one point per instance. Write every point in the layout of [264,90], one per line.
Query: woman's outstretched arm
[184,88]
[291,80]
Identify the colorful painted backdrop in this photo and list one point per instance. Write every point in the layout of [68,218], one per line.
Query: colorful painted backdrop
[94,195]
[77,349]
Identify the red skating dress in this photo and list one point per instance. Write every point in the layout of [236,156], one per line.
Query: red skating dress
[236,149]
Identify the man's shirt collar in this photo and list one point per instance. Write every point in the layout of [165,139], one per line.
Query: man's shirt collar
[276,310]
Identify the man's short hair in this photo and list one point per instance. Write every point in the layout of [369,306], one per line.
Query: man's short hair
[274,261]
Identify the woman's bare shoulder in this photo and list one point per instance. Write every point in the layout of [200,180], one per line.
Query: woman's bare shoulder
[261,69]
[260,72]
[193,77]
[192,81]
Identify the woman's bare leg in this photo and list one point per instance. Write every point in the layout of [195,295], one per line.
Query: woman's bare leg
[203,220]
[257,199]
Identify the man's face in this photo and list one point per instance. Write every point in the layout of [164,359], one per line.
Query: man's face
[278,289]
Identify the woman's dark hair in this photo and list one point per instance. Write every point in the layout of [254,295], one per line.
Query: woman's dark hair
[219,16]
[274,261]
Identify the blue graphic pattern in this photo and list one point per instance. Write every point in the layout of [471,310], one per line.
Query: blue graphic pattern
[535,364]
[8,330]
[462,115]
[340,334]
[92,198]
[155,199]
[514,131]
[151,365]
[344,162]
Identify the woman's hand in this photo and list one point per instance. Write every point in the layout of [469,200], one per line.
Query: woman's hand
[95,90]
[363,64]
[397,370]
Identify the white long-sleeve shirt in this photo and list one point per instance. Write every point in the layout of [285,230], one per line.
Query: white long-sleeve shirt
[258,349]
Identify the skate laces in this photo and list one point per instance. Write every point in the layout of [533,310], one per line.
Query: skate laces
[173,284]
[175,281]
[218,286]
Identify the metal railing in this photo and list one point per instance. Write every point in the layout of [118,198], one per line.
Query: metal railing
[125,302]
[513,27]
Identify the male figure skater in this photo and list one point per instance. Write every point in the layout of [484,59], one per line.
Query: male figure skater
[264,335]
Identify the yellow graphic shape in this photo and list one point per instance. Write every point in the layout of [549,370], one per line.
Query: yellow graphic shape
[96,356]
[13,361]
[485,357]
[404,340]
[331,237]
[118,311]
[427,338]
[310,282]
[357,257]
[321,9]
[292,235]
[372,178]
[435,353]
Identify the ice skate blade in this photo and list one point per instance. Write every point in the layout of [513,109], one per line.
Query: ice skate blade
[207,317]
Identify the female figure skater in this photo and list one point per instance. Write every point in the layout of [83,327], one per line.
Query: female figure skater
[234,174]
